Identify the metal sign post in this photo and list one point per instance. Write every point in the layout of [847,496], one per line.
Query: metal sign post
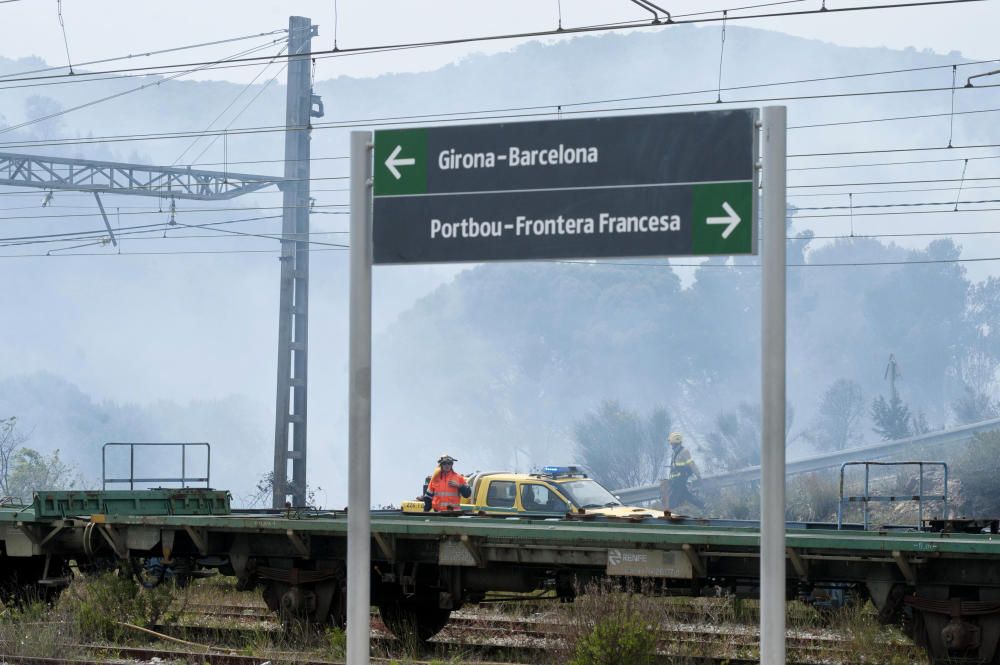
[359,435]
[772,454]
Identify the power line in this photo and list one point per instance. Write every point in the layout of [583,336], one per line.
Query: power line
[144,210]
[229,106]
[364,50]
[908,212]
[899,163]
[845,264]
[901,205]
[146,54]
[167,253]
[121,231]
[471,115]
[921,190]
[892,235]
[800,168]
[36,218]
[888,182]
[883,151]
[116,95]
[923,116]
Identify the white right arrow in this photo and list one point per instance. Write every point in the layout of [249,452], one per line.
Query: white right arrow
[731,218]
[392,162]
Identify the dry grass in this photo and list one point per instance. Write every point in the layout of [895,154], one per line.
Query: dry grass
[606,619]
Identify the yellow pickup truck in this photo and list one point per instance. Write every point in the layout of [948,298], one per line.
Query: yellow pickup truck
[554,489]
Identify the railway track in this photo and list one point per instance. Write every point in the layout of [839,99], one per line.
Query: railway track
[484,637]
[688,627]
[532,640]
[134,655]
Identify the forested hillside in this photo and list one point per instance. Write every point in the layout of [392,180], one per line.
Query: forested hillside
[172,335]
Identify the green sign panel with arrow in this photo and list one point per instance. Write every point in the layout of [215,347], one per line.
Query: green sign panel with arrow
[654,185]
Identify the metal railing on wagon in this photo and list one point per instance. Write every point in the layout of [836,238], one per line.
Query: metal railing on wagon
[184,479]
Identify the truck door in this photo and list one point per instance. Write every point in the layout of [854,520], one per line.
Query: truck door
[500,494]
[541,498]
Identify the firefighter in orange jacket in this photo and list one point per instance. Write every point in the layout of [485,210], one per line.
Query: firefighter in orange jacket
[446,486]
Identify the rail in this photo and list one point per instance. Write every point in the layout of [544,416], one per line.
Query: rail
[881,450]
[184,480]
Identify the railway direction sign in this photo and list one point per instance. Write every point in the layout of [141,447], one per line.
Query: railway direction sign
[651,185]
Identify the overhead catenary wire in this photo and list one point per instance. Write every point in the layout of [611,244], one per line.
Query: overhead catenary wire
[436,118]
[107,98]
[897,163]
[838,185]
[165,253]
[919,190]
[62,24]
[905,212]
[344,205]
[146,54]
[846,264]
[918,204]
[342,52]
[908,162]
[229,106]
[186,211]
[548,107]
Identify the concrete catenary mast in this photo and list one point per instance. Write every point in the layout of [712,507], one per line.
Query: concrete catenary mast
[100,177]
[293,309]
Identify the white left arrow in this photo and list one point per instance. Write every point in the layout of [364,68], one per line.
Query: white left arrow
[731,218]
[393,162]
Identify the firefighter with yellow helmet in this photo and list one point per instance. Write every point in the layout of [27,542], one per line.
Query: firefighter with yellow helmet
[682,470]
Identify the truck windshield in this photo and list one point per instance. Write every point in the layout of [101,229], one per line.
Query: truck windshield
[588,494]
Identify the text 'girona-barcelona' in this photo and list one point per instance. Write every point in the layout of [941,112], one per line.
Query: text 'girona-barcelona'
[452,160]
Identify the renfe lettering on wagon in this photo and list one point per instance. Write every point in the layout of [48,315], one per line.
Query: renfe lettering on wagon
[652,185]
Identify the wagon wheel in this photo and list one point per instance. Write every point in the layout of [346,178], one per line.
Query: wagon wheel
[407,619]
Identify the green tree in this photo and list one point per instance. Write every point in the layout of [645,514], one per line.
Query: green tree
[32,471]
[24,470]
[891,419]
[11,440]
[621,448]
[840,413]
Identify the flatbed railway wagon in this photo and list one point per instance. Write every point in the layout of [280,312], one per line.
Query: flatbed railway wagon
[424,566]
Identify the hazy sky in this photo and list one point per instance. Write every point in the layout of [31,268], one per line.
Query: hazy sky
[97,29]
[172,353]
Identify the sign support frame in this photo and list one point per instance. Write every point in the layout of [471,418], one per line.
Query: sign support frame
[773,330]
[773,333]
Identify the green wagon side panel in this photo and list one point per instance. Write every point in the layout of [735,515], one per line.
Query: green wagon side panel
[62,504]
[556,532]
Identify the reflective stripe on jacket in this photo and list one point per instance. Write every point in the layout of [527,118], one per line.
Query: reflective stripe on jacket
[682,464]
[445,496]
